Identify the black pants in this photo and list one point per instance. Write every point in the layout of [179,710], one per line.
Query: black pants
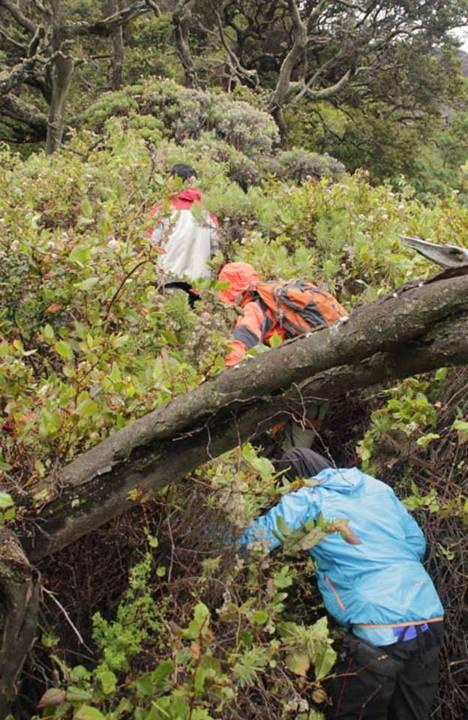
[396,682]
[193,296]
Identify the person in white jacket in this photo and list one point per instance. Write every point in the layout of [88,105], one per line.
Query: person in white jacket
[187,240]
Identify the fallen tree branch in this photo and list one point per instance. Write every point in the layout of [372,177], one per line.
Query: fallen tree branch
[424,328]
[19,602]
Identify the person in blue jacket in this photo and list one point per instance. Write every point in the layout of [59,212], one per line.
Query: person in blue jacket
[373,583]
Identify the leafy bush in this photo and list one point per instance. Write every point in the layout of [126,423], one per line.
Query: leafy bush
[302,165]
[186,113]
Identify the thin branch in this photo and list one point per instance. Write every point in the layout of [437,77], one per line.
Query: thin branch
[67,618]
[121,286]
[12,41]
[324,93]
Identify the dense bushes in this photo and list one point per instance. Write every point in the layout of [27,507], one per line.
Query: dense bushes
[88,344]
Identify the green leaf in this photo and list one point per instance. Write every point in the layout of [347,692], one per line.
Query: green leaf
[461,426]
[6,501]
[79,672]
[9,514]
[80,255]
[86,712]
[260,617]
[324,662]
[282,526]
[76,694]
[64,350]
[49,423]
[48,332]
[208,668]
[108,681]
[200,623]
[4,465]
[283,578]
[275,340]
[426,440]
[86,406]
[87,284]
[298,663]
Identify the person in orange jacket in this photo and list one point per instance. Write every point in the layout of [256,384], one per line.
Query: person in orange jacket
[288,309]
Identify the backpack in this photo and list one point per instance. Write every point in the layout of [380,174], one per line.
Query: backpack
[298,306]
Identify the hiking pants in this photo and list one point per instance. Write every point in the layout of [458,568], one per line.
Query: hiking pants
[394,682]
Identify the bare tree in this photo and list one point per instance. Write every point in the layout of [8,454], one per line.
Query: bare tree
[39,39]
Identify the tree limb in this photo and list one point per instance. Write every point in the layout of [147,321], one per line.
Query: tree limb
[17,109]
[424,328]
[107,25]
[295,53]
[18,15]
[324,93]
[19,602]
[11,78]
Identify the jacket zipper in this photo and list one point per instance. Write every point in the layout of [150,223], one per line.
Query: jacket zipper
[332,588]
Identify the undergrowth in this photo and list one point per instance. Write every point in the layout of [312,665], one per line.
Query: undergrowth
[89,343]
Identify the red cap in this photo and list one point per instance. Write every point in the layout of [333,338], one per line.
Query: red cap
[241,277]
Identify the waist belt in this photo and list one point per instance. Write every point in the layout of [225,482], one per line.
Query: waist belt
[403,633]
[407,630]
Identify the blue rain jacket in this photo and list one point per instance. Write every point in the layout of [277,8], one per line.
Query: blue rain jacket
[380,582]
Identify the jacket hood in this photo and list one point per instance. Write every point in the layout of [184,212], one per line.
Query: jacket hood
[185,199]
[341,480]
[241,277]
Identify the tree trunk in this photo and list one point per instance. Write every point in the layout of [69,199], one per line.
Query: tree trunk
[19,601]
[424,328]
[117,38]
[296,52]
[181,21]
[61,77]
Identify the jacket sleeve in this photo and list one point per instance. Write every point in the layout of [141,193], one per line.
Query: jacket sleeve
[413,534]
[247,333]
[295,509]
